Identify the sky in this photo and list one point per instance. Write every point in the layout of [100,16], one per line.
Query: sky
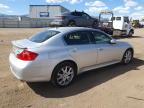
[132,8]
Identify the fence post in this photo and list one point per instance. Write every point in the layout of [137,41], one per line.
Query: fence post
[3,23]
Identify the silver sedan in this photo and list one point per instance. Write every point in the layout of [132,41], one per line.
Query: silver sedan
[59,54]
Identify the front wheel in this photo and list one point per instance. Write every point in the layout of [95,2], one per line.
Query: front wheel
[128,56]
[95,24]
[130,33]
[63,74]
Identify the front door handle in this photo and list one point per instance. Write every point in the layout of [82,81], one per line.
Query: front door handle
[74,50]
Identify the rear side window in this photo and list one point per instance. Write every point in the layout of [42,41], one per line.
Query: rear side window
[77,38]
[43,36]
[76,13]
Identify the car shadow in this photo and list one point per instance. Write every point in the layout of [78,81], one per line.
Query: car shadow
[125,37]
[85,81]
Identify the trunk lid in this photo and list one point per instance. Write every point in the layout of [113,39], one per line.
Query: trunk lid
[21,45]
[25,43]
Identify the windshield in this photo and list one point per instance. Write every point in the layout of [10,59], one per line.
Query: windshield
[118,18]
[43,36]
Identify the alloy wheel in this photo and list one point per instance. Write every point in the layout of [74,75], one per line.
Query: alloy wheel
[65,75]
[127,56]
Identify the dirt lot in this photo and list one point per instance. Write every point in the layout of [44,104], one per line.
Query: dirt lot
[116,86]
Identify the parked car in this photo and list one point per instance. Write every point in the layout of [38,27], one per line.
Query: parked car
[60,54]
[75,18]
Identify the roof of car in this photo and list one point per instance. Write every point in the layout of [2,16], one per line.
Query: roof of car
[69,29]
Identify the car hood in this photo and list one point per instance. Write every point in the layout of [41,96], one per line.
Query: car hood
[25,43]
[95,18]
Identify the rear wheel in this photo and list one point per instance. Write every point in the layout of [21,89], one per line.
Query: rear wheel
[63,74]
[128,56]
[71,24]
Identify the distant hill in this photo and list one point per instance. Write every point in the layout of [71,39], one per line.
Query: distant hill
[5,15]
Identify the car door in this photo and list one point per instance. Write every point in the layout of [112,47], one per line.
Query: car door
[77,17]
[87,20]
[107,52]
[80,48]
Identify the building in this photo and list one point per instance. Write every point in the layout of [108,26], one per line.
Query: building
[39,16]
[46,11]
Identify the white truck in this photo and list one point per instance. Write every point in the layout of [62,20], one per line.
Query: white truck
[122,26]
[117,25]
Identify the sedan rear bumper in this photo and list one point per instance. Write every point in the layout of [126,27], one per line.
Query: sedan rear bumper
[28,70]
[56,23]
[59,23]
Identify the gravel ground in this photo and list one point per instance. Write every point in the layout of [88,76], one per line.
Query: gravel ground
[116,86]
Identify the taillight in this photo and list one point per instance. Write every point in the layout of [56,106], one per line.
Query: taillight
[27,55]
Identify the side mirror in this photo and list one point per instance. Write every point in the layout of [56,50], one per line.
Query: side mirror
[112,41]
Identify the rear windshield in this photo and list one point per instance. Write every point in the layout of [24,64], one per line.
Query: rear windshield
[43,36]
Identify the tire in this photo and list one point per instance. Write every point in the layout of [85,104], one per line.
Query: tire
[130,33]
[127,57]
[72,24]
[95,24]
[63,74]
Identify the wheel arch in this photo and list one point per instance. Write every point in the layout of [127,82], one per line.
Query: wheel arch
[132,30]
[94,22]
[71,20]
[130,48]
[65,61]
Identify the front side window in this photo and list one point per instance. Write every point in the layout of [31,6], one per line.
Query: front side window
[43,36]
[126,19]
[101,38]
[77,38]
[85,15]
